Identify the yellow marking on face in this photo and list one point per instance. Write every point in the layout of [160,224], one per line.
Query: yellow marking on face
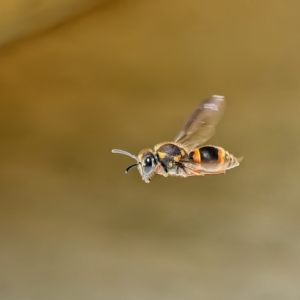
[170,164]
[182,152]
[161,154]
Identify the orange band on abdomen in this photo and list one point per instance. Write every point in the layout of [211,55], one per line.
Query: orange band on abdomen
[196,156]
[221,156]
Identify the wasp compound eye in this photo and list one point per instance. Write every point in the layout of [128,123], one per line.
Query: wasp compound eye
[148,161]
[148,165]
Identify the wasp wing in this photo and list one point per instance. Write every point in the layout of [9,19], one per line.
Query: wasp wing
[200,126]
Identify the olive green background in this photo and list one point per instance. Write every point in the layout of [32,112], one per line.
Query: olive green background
[126,75]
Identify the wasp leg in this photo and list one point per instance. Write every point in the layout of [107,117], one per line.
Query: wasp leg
[161,170]
[190,172]
[215,172]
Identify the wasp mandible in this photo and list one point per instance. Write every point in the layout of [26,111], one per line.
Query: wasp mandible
[183,156]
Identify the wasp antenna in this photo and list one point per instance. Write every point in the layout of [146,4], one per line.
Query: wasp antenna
[128,168]
[124,153]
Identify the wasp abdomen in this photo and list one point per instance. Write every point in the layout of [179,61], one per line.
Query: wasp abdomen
[204,154]
[213,159]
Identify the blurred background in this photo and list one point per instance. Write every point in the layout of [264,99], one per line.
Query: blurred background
[78,78]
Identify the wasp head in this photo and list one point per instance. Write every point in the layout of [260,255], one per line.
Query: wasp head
[145,162]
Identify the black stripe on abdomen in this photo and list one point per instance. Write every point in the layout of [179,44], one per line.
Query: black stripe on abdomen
[209,154]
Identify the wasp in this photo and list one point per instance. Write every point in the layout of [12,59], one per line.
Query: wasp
[183,156]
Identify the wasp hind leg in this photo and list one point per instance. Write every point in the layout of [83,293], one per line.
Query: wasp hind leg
[214,172]
[186,171]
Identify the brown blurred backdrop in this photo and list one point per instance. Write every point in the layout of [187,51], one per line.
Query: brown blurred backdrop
[78,78]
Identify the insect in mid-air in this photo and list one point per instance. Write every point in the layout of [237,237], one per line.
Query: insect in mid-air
[183,156]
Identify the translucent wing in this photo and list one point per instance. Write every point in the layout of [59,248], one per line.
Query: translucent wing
[200,126]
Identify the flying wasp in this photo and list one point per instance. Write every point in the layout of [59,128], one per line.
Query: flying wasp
[183,156]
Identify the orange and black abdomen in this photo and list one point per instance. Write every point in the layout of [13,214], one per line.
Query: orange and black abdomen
[207,154]
[213,159]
